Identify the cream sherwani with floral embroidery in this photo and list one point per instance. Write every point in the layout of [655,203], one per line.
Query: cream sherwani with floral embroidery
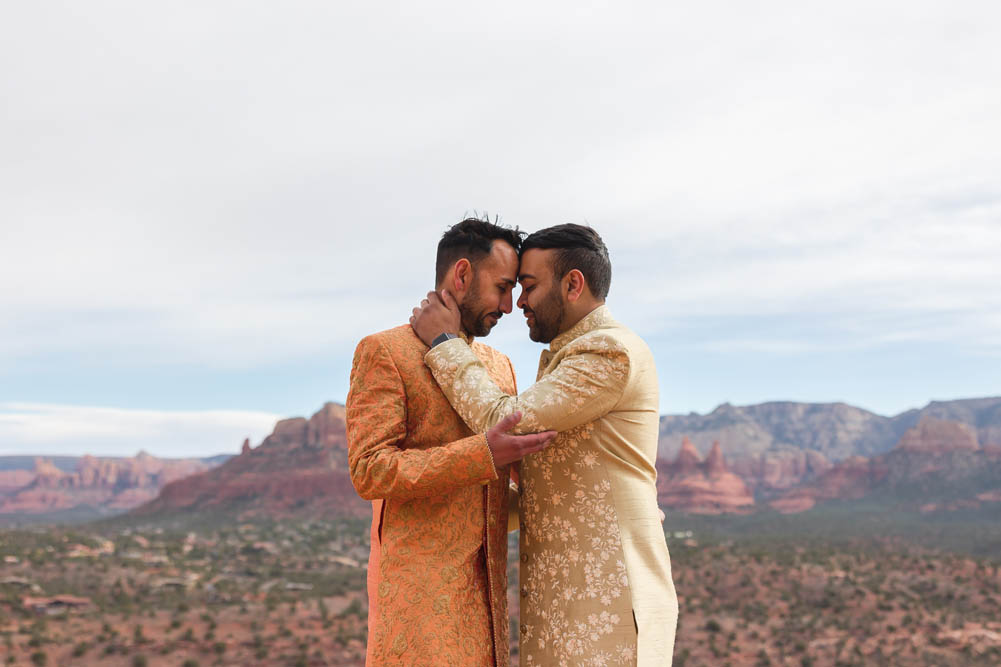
[596,581]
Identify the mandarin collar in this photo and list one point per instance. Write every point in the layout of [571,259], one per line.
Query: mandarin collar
[589,322]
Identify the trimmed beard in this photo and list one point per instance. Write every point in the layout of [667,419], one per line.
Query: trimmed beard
[472,316]
[548,316]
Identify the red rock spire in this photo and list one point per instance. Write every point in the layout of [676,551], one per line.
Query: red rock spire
[715,465]
[688,458]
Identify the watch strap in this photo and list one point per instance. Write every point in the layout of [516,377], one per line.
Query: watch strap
[441,338]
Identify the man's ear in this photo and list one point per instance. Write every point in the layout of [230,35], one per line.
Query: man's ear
[462,277]
[575,285]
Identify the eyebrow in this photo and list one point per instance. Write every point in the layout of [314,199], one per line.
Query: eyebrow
[525,276]
[508,281]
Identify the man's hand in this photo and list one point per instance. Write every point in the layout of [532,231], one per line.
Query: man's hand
[437,314]
[510,448]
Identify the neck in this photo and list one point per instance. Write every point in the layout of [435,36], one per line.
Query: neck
[579,313]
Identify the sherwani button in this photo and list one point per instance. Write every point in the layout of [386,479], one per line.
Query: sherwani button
[524,593]
[524,558]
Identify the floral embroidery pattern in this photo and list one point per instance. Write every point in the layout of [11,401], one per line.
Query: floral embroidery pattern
[574,581]
[576,607]
[583,384]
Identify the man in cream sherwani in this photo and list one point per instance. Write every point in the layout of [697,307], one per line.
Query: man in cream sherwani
[596,583]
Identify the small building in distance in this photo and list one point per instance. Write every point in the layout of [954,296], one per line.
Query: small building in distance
[56,605]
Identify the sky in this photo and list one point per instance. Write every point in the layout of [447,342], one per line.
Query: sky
[204,206]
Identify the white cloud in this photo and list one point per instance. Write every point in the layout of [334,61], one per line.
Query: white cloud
[46,429]
[231,185]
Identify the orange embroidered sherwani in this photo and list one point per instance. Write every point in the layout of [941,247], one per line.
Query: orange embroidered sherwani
[437,575]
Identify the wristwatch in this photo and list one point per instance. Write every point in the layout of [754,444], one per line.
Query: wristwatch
[441,338]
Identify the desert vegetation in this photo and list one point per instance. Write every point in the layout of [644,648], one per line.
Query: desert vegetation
[265,593]
[293,593]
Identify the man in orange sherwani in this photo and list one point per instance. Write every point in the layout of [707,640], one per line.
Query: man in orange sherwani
[437,578]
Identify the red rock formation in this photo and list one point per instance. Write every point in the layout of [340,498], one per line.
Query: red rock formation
[936,451]
[715,466]
[775,471]
[119,484]
[936,435]
[688,458]
[689,485]
[12,480]
[300,469]
[849,480]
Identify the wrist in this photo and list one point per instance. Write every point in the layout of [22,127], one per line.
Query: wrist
[442,337]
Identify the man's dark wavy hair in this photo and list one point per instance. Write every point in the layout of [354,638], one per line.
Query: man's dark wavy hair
[472,238]
[577,247]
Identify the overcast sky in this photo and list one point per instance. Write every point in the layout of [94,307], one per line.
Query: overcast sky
[205,205]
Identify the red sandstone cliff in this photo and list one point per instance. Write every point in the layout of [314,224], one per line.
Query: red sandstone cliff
[300,469]
[114,484]
[933,456]
[778,470]
[701,487]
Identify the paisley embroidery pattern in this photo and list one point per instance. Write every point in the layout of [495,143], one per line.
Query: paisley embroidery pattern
[438,577]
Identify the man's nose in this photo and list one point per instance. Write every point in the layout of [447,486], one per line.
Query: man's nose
[506,302]
[521,300]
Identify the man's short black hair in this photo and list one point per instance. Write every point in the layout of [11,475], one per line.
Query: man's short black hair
[577,247]
[472,238]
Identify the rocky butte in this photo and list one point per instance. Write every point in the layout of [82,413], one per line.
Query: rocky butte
[777,446]
[692,485]
[936,465]
[113,484]
[298,470]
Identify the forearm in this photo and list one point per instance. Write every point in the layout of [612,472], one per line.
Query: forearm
[390,472]
[581,388]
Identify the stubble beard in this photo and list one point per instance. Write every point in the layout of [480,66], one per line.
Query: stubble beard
[472,316]
[548,317]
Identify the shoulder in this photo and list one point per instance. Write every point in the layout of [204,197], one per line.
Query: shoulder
[393,342]
[607,340]
[633,343]
[599,352]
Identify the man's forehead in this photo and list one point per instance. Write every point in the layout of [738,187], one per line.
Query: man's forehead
[503,262]
[534,263]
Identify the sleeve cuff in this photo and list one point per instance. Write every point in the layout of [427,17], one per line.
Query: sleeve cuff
[440,352]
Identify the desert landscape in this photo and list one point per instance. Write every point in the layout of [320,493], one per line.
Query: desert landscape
[820,538]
